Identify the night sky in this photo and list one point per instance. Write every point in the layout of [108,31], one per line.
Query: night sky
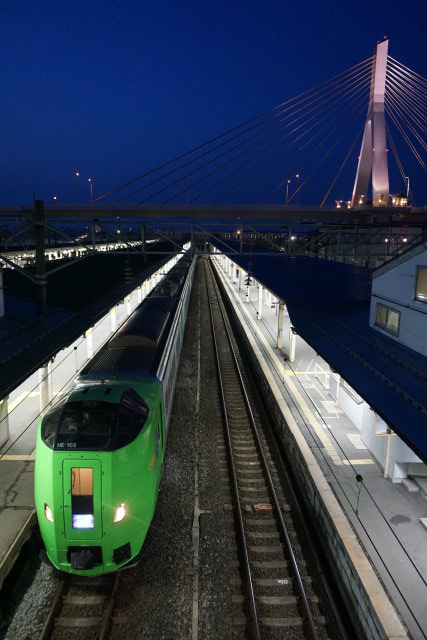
[111,89]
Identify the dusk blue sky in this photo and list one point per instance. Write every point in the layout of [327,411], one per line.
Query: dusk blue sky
[111,89]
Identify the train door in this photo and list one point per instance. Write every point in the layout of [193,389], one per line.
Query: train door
[82,499]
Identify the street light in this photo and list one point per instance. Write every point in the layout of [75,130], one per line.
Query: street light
[407,187]
[298,176]
[76,175]
[288,182]
[287,190]
[91,189]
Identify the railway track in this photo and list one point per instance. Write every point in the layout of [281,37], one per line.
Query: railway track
[81,608]
[275,597]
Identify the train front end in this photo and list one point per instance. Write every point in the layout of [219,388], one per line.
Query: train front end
[99,456]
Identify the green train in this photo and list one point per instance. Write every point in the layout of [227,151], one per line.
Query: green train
[100,449]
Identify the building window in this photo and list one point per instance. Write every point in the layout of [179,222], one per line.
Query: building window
[388,319]
[421,284]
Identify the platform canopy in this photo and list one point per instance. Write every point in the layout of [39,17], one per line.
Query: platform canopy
[328,304]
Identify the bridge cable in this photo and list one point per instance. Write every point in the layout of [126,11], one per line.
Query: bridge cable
[360,107]
[303,96]
[250,160]
[302,162]
[393,102]
[171,172]
[406,137]
[399,163]
[357,137]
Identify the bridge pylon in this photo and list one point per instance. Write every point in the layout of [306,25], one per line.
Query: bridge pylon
[373,153]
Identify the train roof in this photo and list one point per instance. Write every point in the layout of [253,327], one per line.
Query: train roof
[135,349]
[123,362]
[146,325]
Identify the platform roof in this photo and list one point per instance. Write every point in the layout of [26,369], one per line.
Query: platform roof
[79,297]
[328,303]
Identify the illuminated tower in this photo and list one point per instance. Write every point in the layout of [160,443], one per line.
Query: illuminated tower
[373,154]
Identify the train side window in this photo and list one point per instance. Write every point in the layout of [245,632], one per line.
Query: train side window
[50,425]
[133,413]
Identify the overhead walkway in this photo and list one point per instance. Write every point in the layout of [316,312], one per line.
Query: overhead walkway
[390,520]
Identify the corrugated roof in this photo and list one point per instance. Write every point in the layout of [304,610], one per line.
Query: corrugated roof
[135,361]
[328,303]
[411,252]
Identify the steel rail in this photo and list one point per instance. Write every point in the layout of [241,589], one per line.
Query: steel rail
[241,525]
[59,601]
[283,528]
[54,609]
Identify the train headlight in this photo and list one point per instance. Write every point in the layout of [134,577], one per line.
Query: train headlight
[120,512]
[48,512]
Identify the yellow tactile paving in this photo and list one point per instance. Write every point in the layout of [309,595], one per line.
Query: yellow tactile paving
[20,398]
[24,457]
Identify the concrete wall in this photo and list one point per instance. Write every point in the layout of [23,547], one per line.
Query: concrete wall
[395,288]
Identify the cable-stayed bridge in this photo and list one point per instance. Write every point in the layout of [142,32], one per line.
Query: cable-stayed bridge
[261,173]
[302,150]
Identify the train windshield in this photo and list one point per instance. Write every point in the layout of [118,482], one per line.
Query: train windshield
[86,425]
[92,425]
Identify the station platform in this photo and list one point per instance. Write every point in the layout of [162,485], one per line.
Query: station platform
[390,520]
